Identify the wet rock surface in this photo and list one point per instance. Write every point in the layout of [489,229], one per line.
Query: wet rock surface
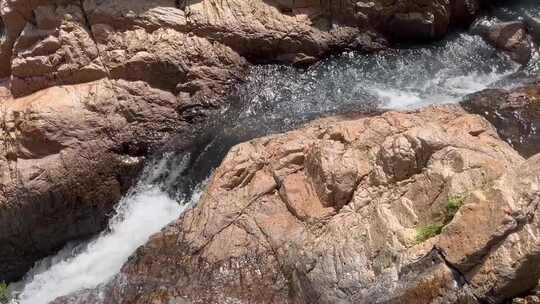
[512,38]
[405,207]
[515,114]
[464,12]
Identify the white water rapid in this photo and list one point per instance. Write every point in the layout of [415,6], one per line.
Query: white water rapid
[141,213]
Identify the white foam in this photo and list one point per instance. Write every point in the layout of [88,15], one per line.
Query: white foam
[397,99]
[442,88]
[139,216]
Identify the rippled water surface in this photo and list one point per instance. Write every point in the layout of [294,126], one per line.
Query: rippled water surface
[275,99]
[401,79]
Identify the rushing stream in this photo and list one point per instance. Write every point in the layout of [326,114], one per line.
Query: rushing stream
[276,99]
[138,216]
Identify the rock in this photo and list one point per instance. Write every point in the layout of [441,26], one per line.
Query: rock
[513,39]
[69,155]
[338,212]
[464,12]
[514,113]
[533,297]
[426,20]
[527,300]
[54,51]
[509,269]
[417,26]
[76,43]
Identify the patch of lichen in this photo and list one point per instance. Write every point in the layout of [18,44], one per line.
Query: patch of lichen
[453,205]
[425,233]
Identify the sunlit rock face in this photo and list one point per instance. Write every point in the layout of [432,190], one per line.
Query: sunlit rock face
[337,212]
[69,156]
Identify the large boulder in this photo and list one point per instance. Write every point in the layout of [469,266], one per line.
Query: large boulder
[71,42]
[69,154]
[425,20]
[515,114]
[512,38]
[64,42]
[420,207]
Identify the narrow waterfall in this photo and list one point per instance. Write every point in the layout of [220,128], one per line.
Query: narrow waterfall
[142,212]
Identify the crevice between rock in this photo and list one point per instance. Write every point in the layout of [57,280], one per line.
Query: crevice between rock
[440,253]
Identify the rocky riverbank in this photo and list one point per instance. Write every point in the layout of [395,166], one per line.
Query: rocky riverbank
[95,84]
[434,205]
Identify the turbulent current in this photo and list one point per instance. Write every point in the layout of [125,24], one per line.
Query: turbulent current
[142,212]
[138,216]
[275,99]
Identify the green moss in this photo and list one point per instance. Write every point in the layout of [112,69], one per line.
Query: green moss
[4,295]
[453,205]
[425,233]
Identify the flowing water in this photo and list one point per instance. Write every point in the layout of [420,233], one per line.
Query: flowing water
[527,11]
[275,99]
[141,213]
[138,216]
